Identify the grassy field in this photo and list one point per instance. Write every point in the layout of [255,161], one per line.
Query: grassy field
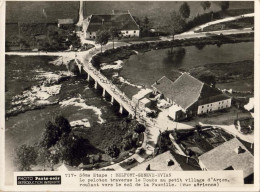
[156,11]
[238,85]
[237,75]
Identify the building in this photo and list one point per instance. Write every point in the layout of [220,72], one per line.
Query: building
[122,21]
[231,155]
[143,103]
[144,93]
[64,23]
[190,97]
[162,162]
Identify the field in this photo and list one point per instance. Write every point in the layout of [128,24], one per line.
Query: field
[237,75]
[157,12]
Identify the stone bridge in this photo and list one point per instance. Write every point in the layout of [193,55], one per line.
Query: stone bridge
[109,89]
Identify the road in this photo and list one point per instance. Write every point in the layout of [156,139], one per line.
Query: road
[213,33]
[193,34]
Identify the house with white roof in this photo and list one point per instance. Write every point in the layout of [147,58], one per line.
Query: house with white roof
[122,21]
[190,97]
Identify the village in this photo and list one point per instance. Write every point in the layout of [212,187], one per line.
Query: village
[182,122]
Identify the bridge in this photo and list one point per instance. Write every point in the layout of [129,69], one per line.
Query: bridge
[109,89]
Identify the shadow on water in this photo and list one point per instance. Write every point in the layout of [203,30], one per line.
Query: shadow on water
[174,57]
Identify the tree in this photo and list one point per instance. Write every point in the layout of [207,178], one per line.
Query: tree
[224,5]
[185,10]
[113,151]
[63,124]
[74,40]
[198,128]
[146,27]
[43,157]
[176,24]
[25,156]
[102,38]
[140,128]
[114,32]
[50,136]
[205,5]
[208,78]
[164,142]
[127,144]
[72,148]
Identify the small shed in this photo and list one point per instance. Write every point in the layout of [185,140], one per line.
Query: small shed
[144,103]
[176,112]
[144,93]
[136,98]
[65,22]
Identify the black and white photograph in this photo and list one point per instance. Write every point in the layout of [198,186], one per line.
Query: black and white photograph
[128,86]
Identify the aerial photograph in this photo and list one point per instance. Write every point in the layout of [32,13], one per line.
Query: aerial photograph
[129,86]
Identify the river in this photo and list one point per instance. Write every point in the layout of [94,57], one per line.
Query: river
[143,69]
[73,99]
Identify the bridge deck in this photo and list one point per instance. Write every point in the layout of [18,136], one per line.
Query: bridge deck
[109,87]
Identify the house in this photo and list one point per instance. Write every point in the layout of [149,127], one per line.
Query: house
[122,21]
[190,97]
[231,155]
[65,23]
[162,162]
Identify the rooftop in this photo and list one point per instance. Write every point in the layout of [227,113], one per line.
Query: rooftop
[225,156]
[186,90]
[159,163]
[145,101]
[142,93]
[120,21]
[191,164]
[65,21]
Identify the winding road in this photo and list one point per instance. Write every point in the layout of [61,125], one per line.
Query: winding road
[193,34]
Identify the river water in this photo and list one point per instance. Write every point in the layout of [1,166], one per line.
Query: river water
[143,69]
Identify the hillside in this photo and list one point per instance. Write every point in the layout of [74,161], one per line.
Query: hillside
[157,11]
